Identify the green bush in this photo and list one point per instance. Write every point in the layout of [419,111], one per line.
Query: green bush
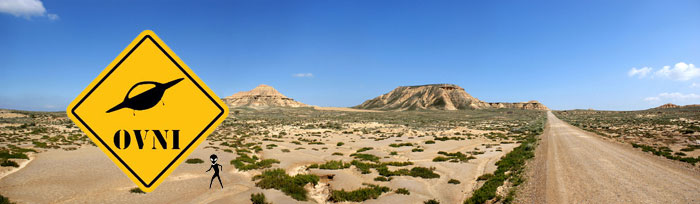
[484,177]
[359,195]
[424,172]
[194,161]
[402,191]
[5,200]
[291,186]
[340,144]
[12,155]
[454,181]
[332,165]
[137,190]
[440,159]
[395,145]
[380,178]
[364,149]
[258,198]
[8,162]
[366,157]
[337,154]
[431,201]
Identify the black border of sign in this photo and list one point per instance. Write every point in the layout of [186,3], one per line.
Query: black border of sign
[110,149]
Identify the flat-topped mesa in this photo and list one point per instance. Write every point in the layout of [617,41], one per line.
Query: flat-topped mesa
[437,97]
[431,96]
[263,96]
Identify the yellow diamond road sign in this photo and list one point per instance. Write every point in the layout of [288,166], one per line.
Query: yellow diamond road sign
[147,111]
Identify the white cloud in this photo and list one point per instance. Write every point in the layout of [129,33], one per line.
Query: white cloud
[674,97]
[653,98]
[26,9]
[694,85]
[641,73]
[303,75]
[680,72]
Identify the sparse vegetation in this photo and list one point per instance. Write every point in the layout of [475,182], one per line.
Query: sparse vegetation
[513,163]
[359,195]
[653,130]
[402,191]
[137,190]
[258,198]
[194,161]
[292,186]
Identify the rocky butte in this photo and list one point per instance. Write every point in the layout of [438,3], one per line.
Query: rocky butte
[437,97]
[263,96]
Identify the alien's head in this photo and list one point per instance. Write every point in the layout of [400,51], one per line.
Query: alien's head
[213,158]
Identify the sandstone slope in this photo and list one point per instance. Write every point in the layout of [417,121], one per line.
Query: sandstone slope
[437,97]
[263,96]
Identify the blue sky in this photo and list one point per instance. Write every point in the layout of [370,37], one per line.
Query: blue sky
[577,54]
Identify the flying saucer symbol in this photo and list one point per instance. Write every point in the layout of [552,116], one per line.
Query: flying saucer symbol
[147,99]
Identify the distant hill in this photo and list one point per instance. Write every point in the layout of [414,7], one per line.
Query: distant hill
[437,97]
[263,96]
[668,105]
[671,105]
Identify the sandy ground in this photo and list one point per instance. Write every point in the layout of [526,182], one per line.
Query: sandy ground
[574,166]
[86,175]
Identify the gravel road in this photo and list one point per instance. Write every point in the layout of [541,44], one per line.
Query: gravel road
[575,166]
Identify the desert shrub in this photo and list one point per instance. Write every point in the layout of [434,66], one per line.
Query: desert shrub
[431,201]
[337,154]
[393,153]
[292,186]
[5,200]
[484,177]
[424,172]
[258,198]
[396,145]
[363,166]
[340,144]
[332,165]
[366,157]
[417,150]
[440,159]
[395,163]
[245,163]
[364,149]
[359,195]
[285,150]
[380,178]
[8,162]
[137,190]
[194,161]
[454,181]
[430,142]
[12,155]
[402,191]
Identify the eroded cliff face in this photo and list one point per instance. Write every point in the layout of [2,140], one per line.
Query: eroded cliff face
[263,96]
[437,97]
[530,105]
[433,96]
